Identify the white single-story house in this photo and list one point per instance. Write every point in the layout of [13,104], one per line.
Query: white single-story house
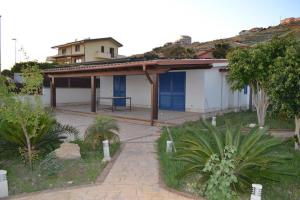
[185,85]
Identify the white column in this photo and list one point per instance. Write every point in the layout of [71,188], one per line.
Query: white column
[169,146]
[106,151]
[3,184]
[256,192]
[214,121]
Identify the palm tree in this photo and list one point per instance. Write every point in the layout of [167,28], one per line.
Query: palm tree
[255,156]
[103,128]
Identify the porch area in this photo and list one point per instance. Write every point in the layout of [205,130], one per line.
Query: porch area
[148,83]
[138,114]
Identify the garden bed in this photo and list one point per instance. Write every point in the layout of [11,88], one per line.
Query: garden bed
[82,171]
[245,118]
[288,187]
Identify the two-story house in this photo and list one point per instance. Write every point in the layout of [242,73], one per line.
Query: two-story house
[86,50]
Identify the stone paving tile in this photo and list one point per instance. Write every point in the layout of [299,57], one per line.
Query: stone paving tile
[134,175]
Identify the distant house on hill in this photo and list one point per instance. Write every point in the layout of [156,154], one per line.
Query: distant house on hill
[289,20]
[206,54]
[184,40]
[86,50]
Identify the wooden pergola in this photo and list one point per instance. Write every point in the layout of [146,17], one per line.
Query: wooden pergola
[151,69]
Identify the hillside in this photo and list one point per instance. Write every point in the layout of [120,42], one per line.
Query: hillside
[244,38]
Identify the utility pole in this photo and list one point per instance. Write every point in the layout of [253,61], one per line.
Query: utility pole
[0,45]
[15,49]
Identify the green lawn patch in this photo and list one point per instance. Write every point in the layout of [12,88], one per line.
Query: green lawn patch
[247,117]
[22,179]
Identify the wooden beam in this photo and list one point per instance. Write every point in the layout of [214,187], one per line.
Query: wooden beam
[111,73]
[148,77]
[93,93]
[52,93]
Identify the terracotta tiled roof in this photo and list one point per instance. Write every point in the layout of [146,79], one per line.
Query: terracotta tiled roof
[89,40]
[166,62]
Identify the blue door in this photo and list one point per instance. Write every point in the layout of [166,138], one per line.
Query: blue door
[172,91]
[119,90]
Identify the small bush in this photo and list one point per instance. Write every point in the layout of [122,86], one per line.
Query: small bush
[222,176]
[103,128]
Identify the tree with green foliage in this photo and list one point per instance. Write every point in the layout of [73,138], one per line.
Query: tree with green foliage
[23,119]
[103,128]
[253,66]
[284,90]
[18,67]
[221,49]
[22,111]
[33,79]
[150,56]
[7,73]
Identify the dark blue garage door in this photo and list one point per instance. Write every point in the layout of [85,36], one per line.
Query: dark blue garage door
[172,91]
[119,90]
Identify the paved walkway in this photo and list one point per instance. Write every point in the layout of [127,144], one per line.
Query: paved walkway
[134,175]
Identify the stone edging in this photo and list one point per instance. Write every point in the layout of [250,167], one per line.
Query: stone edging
[100,179]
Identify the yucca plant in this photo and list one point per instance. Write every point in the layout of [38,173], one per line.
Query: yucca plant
[255,155]
[103,128]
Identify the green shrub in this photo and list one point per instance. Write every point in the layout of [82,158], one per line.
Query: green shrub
[103,128]
[256,156]
[222,176]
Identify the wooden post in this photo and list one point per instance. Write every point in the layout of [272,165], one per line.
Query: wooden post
[154,98]
[154,94]
[93,93]
[52,93]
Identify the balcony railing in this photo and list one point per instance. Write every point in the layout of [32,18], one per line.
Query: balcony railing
[100,54]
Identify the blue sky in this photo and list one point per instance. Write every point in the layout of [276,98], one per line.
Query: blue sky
[138,24]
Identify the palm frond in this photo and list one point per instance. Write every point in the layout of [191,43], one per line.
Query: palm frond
[256,154]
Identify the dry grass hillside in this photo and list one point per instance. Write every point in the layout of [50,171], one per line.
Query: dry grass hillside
[247,38]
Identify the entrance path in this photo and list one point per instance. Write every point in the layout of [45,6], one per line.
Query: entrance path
[133,176]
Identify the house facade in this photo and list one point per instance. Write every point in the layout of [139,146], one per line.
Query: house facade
[86,50]
[197,85]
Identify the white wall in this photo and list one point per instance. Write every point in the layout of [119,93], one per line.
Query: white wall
[212,85]
[219,96]
[68,96]
[106,89]
[139,88]
[92,47]
[194,98]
